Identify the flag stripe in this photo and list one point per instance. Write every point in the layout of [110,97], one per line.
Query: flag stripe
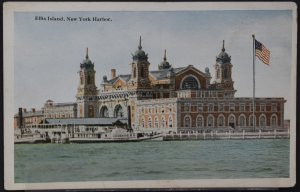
[262,52]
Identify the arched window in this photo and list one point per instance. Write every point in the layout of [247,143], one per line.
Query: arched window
[150,122]
[104,112]
[91,111]
[134,72]
[88,79]
[163,122]
[81,111]
[81,78]
[221,120]
[142,72]
[225,73]
[199,121]
[210,121]
[251,120]
[187,121]
[170,108]
[242,121]
[262,121]
[119,111]
[190,83]
[231,121]
[170,123]
[274,121]
[143,122]
[156,122]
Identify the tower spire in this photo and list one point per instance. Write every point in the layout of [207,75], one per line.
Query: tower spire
[165,56]
[140,44]
[223,48]
[87,53]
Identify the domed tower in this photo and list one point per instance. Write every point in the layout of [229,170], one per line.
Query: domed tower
[164,64]
[87,90]
[139,69]
[223,70]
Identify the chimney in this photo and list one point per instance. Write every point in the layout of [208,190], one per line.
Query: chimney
[33,110]
[113,73]
[20,118]
[25,110]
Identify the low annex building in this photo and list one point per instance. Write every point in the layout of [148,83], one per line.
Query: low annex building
[169,99]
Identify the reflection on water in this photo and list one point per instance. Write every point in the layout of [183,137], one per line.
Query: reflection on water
[218,159]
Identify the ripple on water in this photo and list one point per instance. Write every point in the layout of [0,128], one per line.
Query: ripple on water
[152,160]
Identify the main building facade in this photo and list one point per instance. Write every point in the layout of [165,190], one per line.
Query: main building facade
[168,99]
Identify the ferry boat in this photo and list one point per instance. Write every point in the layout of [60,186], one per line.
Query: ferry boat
[115,135]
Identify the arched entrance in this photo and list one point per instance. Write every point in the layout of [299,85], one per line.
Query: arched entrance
[118,112]
[104,112]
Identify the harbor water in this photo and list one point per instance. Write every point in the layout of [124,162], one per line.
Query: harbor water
[201,159]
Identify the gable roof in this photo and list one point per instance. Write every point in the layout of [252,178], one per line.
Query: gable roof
[124,78]
[193,68]
[158,74]
[163,73]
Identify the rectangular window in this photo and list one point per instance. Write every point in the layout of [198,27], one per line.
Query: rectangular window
[214,94]
[242,107]
[231,107]
[200,107]
[251,107]
[263,107]
[274,107]
[210,107]
[221,107]
[187,107]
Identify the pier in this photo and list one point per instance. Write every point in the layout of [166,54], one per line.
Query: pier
[65,134]
[215,135]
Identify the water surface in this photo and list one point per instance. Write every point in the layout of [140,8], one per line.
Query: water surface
[210,159]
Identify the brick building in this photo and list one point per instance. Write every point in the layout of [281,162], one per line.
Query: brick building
[169,99]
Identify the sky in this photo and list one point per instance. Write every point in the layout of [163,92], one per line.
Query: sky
[47,54]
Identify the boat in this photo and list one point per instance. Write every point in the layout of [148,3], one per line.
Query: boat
[26,136]
[115,135]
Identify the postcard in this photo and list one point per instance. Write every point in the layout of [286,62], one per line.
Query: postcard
[167,95]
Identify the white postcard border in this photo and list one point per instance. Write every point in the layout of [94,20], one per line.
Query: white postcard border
[8,23]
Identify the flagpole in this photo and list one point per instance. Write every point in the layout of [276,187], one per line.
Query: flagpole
[253,108]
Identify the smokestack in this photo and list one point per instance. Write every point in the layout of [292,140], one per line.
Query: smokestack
[113,73]
[20,118]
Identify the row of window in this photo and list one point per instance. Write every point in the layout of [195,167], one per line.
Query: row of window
[204,94]
[31,120]
[156,109]
[232,107]
[59,108]
[232,121]
[60,115]
[157,123]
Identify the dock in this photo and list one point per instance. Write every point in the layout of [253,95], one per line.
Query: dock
[214,135]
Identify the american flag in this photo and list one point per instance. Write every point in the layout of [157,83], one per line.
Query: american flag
[262,52]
